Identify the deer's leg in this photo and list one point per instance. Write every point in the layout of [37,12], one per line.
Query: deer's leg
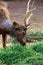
[4,36]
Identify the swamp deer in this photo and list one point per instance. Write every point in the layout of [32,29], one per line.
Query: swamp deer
[14,29]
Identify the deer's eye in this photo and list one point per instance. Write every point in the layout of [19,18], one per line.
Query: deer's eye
[17,29]
[24,29]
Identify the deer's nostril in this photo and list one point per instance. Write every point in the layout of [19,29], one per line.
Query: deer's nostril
[23,33]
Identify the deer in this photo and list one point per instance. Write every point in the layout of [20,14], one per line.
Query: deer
[19,32]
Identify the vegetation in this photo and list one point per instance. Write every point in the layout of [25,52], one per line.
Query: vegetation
[18,54]
[35,34]
[22,55]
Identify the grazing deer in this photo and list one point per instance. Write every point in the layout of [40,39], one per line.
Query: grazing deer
[14,29]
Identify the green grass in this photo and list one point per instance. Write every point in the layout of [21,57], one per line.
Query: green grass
[34,34]
[38,47]
[22,55]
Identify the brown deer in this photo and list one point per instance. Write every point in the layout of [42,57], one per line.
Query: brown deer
[14,29]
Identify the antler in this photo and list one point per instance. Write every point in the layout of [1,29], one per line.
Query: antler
[29,13]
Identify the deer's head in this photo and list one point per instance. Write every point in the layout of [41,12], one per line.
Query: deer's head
[21,30]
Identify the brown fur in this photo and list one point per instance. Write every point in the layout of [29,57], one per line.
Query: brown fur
[4,14]
[12,29]
[4,10]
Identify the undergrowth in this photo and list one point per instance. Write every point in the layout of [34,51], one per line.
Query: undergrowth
[18,54]
[22,55]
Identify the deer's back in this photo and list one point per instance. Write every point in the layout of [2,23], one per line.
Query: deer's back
[6,25]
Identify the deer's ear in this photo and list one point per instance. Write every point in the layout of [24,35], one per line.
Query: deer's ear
[16,25]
